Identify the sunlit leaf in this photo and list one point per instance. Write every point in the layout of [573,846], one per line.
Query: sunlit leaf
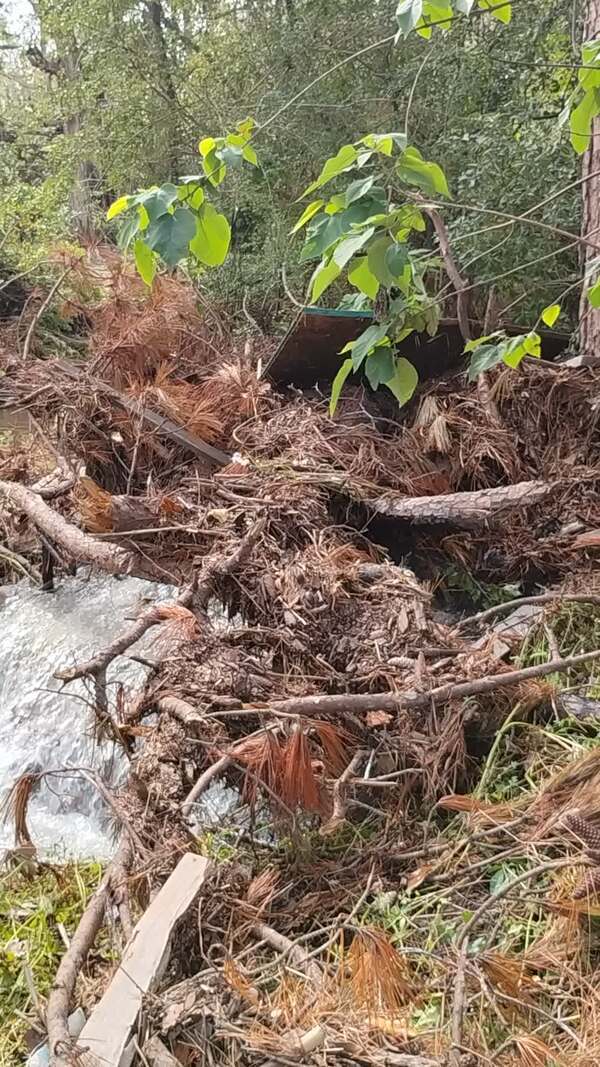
[307,214]
[250,155]
[206,146]
[550,314]
[404,380]
[503,14]
[362,278]
[593,294]
[212,236]
[582,118]
[338,384]
[325,274]
[144,261]
[335,165]
[415,170]
[117,207]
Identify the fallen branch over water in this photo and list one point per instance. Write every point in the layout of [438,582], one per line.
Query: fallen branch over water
[198,593]
[78,545]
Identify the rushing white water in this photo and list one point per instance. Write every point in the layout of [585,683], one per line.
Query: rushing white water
[46,725]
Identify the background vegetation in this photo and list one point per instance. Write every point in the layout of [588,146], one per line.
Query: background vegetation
[99,99]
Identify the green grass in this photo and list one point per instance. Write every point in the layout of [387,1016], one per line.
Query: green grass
[31,909]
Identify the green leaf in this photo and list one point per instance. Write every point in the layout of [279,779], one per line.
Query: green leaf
[212,236]
[128,231]
[192,194]
[472,345]
[346,249]
[159,201]
[396,259]
[357,189]
[503,14]
[408,14]
[368,339]
[581,120]
[250,155]
[593,294]
[379,366]
[335,165]
[214,168]
[325,274]
[206,146]
[532,343]
[338,384]
[170,235]
[310,210]
[380,142]
[377,261]
[144,261]
[117,207]
[429,177]
[404,380]
[362,278]
[246,127]
[231,155]
[484,357]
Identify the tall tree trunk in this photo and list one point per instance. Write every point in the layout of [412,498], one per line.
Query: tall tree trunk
[589,317]
[154,19]
[86,178]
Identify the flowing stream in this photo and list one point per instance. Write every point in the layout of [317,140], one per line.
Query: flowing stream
[45,725]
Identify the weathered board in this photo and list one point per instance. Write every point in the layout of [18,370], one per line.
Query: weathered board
[107,1033]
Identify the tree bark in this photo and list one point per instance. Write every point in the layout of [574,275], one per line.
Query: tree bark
[78,545]
[589,317]
[465,510]
[86,179]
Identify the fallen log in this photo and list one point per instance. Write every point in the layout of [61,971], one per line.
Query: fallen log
[106,1035]
[466,510]
[78,545]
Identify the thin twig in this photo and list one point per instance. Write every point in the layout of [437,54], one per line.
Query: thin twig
[41,310]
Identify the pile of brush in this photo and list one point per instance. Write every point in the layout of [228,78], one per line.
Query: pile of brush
[342,710]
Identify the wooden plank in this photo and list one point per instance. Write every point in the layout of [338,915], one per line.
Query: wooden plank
[157,422]
[106,1035]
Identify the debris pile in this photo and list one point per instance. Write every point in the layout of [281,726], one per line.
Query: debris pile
[351,916]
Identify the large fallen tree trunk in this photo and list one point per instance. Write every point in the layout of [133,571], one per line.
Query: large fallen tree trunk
[78,545]
[466,510]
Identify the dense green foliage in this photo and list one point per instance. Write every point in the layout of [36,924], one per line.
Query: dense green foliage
[119,94]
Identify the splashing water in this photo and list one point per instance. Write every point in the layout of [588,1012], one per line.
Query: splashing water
[45,724]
